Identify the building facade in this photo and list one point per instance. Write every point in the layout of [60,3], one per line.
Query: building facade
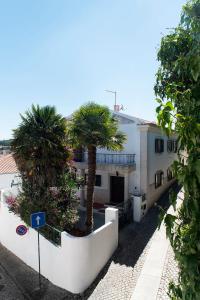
[4,150]
[9,175]
[142,168]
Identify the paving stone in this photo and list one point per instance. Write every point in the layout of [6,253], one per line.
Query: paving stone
[119,277]
[170,273]
[8,289]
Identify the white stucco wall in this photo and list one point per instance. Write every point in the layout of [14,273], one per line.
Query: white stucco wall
[131,146]
[132,178]
[6,179]
[141,142]
[102,193]
[158,161]
[75,264]
[151,162]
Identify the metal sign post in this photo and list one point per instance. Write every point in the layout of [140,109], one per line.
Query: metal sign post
[38,220]
[39,257]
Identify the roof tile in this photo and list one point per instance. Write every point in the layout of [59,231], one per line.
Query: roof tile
[7,164]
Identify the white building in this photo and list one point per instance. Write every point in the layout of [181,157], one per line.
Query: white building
[9,176]
[4,150]
[142,168]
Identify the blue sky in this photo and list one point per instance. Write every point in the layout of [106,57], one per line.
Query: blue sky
[67,52]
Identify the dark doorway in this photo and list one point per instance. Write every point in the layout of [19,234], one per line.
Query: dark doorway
[116,189]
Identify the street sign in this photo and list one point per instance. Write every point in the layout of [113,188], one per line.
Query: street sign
[21,230]
[38,219]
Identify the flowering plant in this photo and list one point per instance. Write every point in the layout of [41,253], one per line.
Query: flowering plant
[12,203]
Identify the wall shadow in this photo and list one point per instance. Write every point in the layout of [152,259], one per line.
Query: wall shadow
[133,239]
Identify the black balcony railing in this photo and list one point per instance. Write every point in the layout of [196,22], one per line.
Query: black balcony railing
[107,158]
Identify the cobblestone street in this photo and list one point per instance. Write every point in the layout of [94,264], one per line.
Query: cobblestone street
[170,272]
[120,275]
[8,289]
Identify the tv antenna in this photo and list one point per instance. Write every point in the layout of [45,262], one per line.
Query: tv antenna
[117,107]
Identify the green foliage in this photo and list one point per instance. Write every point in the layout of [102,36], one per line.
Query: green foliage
[178,94]
[5,142]
[60,203]
[41,153]
[39,144]
[94,124]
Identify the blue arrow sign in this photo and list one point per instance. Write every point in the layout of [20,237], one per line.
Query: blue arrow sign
[38,219]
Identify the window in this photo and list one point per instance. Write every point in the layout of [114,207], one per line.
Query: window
[159,145]
[175,146]
[169,146]
[159,178]
[169,174]
[97,180]
[172,146]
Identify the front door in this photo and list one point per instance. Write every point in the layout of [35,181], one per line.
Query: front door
[116,189]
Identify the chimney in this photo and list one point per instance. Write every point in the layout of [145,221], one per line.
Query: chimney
[117,107]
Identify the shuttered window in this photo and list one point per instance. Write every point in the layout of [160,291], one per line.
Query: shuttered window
[159,145]
[172,146]
[169,174]
[169,146]
[97,180]
[159,179]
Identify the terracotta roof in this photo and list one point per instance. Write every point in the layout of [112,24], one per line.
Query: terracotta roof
[7,164]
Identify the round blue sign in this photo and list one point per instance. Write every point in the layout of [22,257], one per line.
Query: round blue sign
[21,230]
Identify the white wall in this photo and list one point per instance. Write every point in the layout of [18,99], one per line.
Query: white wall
[102,193]
[132,145]
[75,264]
[141,142]
[5,180]
[151,162]
[158,161]
[4,151]
[132,179]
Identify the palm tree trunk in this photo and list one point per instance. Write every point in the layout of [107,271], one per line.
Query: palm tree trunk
[90,186]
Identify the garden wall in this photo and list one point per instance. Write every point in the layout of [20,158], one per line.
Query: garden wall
[6,179]
[76,263]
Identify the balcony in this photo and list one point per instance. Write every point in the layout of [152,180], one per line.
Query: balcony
[106,158]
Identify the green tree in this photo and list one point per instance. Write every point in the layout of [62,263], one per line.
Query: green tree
[5,143]
[178,92]
[41,153]
[39,145]
[93,126]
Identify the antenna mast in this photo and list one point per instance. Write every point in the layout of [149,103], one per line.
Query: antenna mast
[116,108]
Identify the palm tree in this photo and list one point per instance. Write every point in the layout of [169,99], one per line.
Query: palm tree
[39,145]
[93,126]
[40,150]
